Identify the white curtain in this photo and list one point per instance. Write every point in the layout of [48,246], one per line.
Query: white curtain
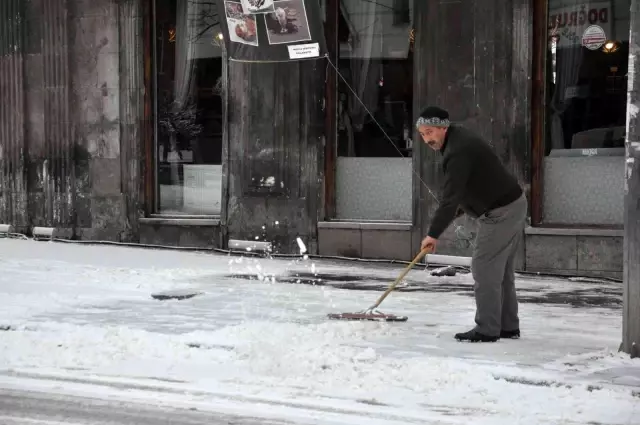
[568,57]
[186,12]
[366,43]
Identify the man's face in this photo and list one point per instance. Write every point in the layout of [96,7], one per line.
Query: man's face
[433,136]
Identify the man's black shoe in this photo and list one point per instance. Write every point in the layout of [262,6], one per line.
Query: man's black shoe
[515,334]
[473,336]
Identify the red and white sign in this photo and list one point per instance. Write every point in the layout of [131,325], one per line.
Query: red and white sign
[593,37]
[569,23]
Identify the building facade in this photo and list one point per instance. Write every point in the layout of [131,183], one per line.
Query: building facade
[545,81]
[127,122]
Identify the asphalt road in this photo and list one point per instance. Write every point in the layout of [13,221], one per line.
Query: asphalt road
[35,408]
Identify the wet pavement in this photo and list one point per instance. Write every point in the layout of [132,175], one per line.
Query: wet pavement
[19,407]
[603,293]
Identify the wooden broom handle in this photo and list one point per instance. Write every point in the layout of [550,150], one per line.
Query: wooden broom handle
[404,273]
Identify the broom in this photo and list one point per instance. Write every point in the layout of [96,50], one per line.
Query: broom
[371,313]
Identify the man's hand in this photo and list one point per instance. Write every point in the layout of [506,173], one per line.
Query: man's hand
[430,243]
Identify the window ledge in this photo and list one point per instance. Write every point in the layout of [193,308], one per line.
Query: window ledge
[361,225]
[185,216]
[566,231]
[180,221]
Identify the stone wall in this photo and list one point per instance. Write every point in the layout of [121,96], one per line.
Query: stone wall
[77,91]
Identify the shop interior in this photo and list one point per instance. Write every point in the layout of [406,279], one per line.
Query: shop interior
[586,102]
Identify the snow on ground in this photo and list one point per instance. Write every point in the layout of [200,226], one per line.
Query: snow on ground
[83,314]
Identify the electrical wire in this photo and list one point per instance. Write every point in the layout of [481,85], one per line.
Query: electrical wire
[285,256]
[368,111]
[459,230]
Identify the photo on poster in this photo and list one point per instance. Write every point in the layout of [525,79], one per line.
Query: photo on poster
[242,27]
[288,24]
[257,6]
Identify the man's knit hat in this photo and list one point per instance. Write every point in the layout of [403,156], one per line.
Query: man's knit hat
[433,116]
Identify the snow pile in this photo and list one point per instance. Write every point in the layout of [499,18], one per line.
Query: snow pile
[292,353]
[335,360]
[87,347]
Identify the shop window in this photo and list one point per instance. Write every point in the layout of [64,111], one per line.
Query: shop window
[587,62]
[374,169]
[188,53]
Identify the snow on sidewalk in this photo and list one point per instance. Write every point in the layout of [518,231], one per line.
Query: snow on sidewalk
[85,312]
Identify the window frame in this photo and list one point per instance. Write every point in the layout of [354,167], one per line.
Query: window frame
[151,188]
[331,109]
[150,114]
[332,17]
[538,109]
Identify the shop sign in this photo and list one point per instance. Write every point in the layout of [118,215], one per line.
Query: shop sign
[569,23]
[593,37]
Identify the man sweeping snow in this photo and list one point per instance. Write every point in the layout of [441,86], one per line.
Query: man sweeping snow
[481,186]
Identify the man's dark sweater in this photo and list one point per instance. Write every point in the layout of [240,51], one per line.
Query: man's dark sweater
[475,179]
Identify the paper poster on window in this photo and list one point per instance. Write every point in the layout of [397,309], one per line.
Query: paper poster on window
[242,27]
[304,51]
[288,24]
[257,6]
[268,34]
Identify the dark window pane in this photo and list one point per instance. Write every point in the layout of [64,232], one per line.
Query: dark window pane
[376,60]
[12,27]
[587,61]
[375,97]
[401,12]
[189,71]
